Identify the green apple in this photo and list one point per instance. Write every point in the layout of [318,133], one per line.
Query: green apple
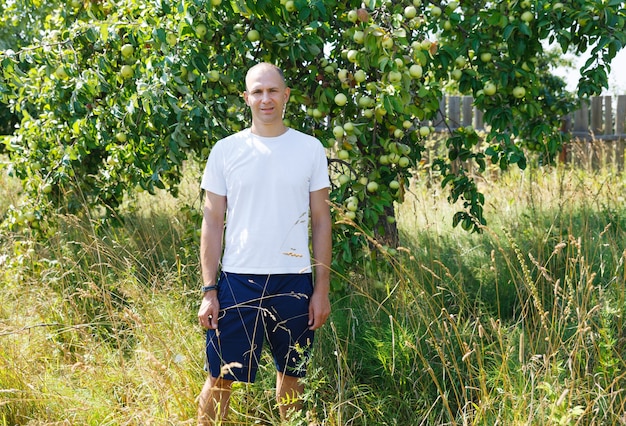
[527,16]
[460,61]
[398,133]
[343,179]
[424,131]
[410,12]
[403,162]
[253,35]
[348,127]
[485,56]
[435,11]
[360,76]
[338,132]
[519,92]
[60,72]
[171,39]
[120,136]
[387,42]
[359,37]
[353,16]
[342,74]
[363,180]
[352,55]
[372,186]
[394,184]
[341,99]
[383,160]
[216,2]
[416,71]
[127,50]
[127,71]
[46,189]
[394,157]
[76,4]
[407,124]
[417,3]
[352,206]
[343,154]
[394,76]
[214,76]
[365,101]
[368,113]
[456,74]
[200,30]
[290,6]
[489,89]
[350,215]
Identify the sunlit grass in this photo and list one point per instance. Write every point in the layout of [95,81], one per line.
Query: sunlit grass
[519,325]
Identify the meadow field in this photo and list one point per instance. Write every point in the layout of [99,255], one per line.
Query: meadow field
[522,324]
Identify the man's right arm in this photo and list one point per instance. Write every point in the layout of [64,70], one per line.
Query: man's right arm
[211,237]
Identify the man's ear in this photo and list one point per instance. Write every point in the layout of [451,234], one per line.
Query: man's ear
[245,97]
[287,93]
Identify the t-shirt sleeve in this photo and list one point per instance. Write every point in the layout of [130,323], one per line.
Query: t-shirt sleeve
[320,178]
[213,176]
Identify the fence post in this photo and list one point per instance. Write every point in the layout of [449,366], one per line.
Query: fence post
[620,117]
[478,119]
[566,124]
[467,111]
[454,111]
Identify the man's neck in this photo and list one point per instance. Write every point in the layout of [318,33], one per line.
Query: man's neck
[268,130]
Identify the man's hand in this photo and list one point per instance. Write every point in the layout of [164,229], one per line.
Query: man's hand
[319,309]
[209,310]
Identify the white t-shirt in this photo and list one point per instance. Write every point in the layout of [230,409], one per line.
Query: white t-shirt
[267,182]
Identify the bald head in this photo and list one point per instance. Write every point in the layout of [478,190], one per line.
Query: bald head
[264,67]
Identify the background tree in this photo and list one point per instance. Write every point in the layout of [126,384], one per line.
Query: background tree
[19,27]
[114,96]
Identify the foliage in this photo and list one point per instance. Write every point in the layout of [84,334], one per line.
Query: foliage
[114,96]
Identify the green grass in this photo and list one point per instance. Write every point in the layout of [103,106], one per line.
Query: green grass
[519,325]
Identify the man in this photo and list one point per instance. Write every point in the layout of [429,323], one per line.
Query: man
[267,180]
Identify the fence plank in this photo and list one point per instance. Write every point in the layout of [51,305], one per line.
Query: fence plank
[478,119]
[467,111]
[454,111]
[596,115]
[620,115]
[581,119]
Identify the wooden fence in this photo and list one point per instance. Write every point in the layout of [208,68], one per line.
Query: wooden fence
[598,128]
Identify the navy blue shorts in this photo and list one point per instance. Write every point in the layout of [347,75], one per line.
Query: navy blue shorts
[258,307]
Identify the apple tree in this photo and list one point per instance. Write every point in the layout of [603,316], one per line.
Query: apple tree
[114,97]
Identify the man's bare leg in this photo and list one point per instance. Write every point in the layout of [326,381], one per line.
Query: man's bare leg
[213,401]
[289,391]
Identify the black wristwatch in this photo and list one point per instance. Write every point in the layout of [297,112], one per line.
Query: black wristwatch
[208,288]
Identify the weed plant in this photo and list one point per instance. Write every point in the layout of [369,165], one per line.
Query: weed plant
[521,324]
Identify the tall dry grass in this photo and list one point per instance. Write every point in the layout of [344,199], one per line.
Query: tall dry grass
[519,325]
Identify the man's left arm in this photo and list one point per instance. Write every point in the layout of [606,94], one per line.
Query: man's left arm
[319,307]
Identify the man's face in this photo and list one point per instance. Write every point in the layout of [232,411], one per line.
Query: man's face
[266,95]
